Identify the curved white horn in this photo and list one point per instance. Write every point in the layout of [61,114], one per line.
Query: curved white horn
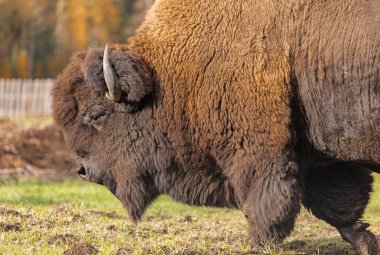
[110,77]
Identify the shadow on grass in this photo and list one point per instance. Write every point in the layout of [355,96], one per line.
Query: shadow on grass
[322,246]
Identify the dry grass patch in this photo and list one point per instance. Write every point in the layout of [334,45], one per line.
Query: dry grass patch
[74,217]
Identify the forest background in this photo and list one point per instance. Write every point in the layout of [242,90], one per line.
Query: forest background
[38,37]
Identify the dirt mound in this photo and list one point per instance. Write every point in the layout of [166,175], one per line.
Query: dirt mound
[8,127]
[82,249]
[111,215]
[124,251]
[4,227]
[62,239]
[5,211]
[34,151]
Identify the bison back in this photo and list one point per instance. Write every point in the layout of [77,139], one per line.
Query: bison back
[337,68]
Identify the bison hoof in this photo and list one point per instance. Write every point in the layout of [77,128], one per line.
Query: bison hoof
[363,241]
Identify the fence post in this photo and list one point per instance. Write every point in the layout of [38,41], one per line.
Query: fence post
[19,98]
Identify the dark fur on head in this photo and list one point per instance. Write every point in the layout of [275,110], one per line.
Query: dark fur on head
[134,77]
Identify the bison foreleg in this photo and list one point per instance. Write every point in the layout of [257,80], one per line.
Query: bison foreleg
[273,203]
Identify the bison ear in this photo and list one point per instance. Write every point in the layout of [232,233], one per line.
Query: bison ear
[133,77]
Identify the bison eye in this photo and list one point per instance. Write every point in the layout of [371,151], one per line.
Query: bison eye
[95,119]
[97,116]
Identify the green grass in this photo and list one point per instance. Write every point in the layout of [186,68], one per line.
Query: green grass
[32,121]
[53,217]
[373,210]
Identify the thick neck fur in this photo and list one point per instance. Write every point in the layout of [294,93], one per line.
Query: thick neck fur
[201,184]
[205,81]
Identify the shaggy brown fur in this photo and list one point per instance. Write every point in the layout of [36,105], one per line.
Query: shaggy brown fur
[337,58]
[206,113]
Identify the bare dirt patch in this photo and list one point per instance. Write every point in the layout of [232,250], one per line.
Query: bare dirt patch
[188,219]
[111,215]
[8,128]
[35,151]
[112,228]
[124,251]
[62,239]
[5,211]
[82,249]
[4,227]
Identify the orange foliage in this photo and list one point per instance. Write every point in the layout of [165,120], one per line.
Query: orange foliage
[49,32]
[5,71]
[22,64]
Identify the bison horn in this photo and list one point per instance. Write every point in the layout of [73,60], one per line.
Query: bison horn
[110,77]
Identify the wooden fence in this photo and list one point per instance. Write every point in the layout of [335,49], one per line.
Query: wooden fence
[20,98]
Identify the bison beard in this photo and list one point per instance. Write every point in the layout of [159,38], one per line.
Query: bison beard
[235,110]
[136,195]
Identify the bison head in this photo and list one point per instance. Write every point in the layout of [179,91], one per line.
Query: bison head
[103,102]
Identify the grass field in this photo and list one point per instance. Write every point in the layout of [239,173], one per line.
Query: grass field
[39,217]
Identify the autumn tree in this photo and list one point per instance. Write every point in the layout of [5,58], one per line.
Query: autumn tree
[25,35]
[81,24]
[39,36]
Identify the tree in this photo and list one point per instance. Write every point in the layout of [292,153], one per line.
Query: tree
[39,36]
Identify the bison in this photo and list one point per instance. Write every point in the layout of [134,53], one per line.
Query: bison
[258,105]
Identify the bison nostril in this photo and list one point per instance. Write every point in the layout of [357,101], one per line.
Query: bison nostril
[82,172]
